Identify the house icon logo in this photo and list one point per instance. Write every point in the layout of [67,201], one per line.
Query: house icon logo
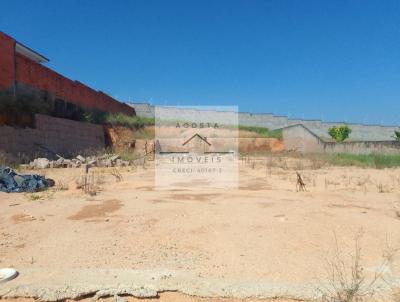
[196,147]
[197,144]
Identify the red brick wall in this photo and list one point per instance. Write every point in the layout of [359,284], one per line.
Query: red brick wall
[6,61]
[40,77]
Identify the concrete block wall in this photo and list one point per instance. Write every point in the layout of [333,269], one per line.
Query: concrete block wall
[262,120]
[360,132]
[143,109]
[19,142]
[384,147]
[302,139]
[62,136]
[193,115]
[66,136]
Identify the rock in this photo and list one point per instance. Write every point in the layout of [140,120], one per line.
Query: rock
[92,162]
[81,158]
[66,163]
[114,157]
[108,163]
[75,163]
[58,163]
[105,160]
[41,163]
[121,163]
[104,156]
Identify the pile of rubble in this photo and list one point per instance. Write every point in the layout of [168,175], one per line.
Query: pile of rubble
[11,182]
[106,160]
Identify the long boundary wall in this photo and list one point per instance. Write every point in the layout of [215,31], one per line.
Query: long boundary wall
[301,139]
[360,132]
[384,147]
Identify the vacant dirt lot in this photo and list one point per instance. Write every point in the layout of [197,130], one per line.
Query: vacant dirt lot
[263,239]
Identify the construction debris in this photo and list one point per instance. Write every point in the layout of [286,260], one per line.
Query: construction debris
[81,158]
[106,160]
[41,163]
[11,182]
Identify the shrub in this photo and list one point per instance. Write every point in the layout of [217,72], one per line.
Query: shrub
[14,108]
[24,104]
[347,280]
[116,119]
[18,108]
[262,131]
[339,133]
[94,116]
[120,119]
[397,135]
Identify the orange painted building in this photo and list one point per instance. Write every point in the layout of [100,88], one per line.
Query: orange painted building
[22,71]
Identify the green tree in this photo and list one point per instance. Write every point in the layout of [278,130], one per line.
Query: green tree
[339,133]
[397,135]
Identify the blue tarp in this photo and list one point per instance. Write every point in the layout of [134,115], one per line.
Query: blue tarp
[11,182]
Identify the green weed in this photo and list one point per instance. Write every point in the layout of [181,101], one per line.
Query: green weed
[262,131]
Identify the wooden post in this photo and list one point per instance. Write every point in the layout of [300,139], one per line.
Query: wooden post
[300,185]
[85,178]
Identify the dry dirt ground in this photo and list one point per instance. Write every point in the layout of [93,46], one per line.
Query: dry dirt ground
[263,239]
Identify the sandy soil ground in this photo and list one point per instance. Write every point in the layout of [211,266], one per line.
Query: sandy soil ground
[265,231]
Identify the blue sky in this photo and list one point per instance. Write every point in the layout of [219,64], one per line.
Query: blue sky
[335,60]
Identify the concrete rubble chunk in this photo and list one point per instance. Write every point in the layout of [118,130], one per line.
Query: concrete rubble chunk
[104,156]
[92,162]
[114,157]
[105,160]
[58,163]
[66,163]
[41,163]
[121,163]
[81,158]
[75,163]
[107,163]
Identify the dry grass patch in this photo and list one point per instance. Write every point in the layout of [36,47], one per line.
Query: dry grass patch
[347,280]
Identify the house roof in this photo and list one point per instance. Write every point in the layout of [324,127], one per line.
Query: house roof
[29,53]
